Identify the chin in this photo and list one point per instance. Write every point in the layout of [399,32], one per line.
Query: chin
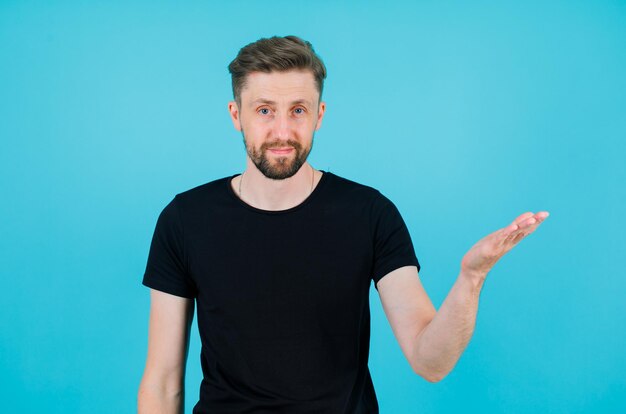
[281,173]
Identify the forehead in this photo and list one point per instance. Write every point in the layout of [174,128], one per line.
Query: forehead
[290,85]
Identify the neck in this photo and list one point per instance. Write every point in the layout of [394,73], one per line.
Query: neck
[266,194]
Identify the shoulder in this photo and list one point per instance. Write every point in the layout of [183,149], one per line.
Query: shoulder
[347,188]
[217,185]
[354,195]
[199,196]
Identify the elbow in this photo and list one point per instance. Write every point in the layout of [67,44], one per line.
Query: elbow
[433,378]
[430,369]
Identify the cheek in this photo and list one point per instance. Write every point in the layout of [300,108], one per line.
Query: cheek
[306,130]
[256,132]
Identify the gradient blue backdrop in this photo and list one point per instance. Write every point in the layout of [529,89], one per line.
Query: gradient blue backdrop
[465,114]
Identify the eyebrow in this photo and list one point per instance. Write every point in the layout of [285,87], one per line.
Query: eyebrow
[269,102]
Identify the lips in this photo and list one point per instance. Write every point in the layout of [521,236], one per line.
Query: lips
[281,150]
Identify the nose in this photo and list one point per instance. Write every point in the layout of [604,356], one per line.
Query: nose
[282,126]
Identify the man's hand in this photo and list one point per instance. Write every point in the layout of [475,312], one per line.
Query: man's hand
[438,347]
[479,260]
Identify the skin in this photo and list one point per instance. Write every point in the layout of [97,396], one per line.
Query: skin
[277,110]
[268,117]
[162,387]
[433,341]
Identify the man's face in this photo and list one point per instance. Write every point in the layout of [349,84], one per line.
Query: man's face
[278,115]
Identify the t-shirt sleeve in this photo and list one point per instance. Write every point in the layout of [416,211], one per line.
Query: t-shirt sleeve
[166,268]
[393,247]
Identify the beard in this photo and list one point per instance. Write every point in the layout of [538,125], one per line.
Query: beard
[282,166]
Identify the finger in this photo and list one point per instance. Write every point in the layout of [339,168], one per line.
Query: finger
[537,218]
[506,232]
[523,217]
[523,228]
[516,223]
[524,234]
[522,224]
[529,225]
[518,235]
[518,238]
[511,237]
[542,215]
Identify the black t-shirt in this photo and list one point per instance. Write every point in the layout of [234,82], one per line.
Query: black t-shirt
[282,296]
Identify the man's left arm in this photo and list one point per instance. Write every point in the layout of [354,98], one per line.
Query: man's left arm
[433,341]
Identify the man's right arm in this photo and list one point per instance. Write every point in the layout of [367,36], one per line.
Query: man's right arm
[162,388]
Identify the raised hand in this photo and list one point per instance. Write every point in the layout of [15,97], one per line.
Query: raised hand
[479,260]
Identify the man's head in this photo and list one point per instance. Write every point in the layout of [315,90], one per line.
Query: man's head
[276,54]
[277,86]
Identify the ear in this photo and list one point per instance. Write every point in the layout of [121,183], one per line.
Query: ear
[235,116]
[320,115]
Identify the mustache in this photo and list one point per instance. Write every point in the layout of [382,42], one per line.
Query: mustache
[281,144]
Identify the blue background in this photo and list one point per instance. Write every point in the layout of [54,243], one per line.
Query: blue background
[465,114]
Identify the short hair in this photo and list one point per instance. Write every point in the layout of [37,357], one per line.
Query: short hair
[276,54]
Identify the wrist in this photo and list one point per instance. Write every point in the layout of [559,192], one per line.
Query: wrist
[474,277]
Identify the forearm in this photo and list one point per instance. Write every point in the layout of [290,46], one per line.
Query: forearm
[443,340]
[157,398]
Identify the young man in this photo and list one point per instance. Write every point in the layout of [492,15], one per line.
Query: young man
[279,261]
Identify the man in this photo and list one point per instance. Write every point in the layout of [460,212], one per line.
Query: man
[280,259]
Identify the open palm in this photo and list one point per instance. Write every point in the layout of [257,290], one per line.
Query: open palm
[486,252]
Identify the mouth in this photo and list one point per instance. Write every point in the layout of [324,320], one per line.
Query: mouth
[281,151]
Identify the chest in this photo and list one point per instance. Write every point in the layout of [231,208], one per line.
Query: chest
[270,274]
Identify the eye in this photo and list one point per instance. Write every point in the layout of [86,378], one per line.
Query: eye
[299,111]
[264,111]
